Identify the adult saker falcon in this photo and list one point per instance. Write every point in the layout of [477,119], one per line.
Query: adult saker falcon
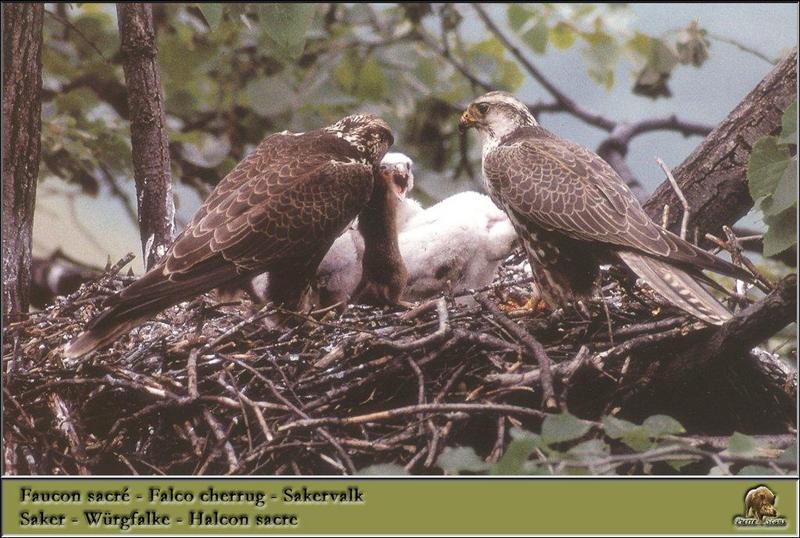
[279,210]
[574,213]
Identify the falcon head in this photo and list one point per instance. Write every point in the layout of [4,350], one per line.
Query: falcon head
[395,170]
[496,114]
[367,133]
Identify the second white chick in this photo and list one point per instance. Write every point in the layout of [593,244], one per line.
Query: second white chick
[455,245]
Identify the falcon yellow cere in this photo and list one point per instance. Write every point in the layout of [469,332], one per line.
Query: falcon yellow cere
[352,494]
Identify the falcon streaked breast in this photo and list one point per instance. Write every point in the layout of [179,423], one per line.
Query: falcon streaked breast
[574,213]
[279,210]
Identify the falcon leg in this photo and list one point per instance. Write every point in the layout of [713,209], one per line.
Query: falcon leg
[289,290]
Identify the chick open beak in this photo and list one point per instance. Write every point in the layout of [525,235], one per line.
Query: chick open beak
[397,177]
[467,120]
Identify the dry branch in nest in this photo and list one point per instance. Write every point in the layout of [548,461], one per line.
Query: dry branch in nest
[208,388]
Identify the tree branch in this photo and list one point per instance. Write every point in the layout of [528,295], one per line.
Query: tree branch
[151,163]
[590,117]
[21,132]
[714,176]
[614,149]
[737,336]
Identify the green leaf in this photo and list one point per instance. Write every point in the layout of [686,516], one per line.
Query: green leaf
[212,13]
[518,15]
[536,37]
[459,459]
[741,445]
[491,47]
[426,71]
[270,96]
[768,162]
[661,425]
[345,72]
[562,36]
[680,464]
[641,44]
[616,427]
[638,439]
[601,57]
[517,453]
[563,427]
[510,76]
[519,433]
[383,469]
[582,10]
[371,83]
[785,195]
[287,25]
[590,448]
[652,80]
[662,57]
[789,131]
[782,232]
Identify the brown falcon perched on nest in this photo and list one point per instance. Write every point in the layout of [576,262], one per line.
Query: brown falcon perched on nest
[279,210]
[574,213]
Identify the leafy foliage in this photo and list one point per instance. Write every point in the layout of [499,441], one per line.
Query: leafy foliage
[605,40]
[569,445]
[772,179]
[233,72]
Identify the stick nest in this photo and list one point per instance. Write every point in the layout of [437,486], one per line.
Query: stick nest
[209,388]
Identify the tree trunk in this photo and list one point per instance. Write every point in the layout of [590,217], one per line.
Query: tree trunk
[21,129]
[151,165]
[714,177]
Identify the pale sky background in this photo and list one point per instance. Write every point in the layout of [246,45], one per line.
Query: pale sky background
[705,95]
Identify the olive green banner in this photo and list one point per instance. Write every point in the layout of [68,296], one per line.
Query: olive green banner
[398,506]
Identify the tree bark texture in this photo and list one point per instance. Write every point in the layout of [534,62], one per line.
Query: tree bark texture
[151,162]
[21,130]
[714,177]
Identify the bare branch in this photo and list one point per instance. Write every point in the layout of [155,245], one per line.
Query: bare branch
[590,117]
[687,211]
[614,149]
[548,394]
[151,160]
[737,336]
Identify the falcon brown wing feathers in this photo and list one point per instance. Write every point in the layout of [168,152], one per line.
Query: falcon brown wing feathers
[574,191]
[279,210]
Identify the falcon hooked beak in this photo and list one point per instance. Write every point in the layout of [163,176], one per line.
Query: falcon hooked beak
[467,120]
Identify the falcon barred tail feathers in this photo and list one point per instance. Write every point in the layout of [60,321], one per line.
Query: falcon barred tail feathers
[279,210]
[140,301]
[574,212]
[677,286]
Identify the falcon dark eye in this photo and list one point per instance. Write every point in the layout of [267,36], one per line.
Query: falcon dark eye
[483,108]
